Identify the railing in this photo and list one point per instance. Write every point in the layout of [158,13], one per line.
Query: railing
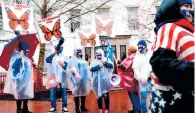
[38,86]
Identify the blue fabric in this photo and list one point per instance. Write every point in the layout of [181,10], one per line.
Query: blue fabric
[53,97]
[141,49]
[185,13]
[109,51]
[143,101]
[49,59]
[182,2]
[101,78]
[79,87]
[65,65]
[142,42]
[145,87]
[108,65]
[95,68]
[135,100]
[16,66]
[20,82]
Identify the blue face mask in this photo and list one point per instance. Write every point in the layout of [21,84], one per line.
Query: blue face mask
[185,13]
[26,52]
[79,53]
[141,49]
[99,57]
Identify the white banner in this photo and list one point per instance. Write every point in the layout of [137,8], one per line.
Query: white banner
[50,29]
[103,26]
[87,38]
[17,17]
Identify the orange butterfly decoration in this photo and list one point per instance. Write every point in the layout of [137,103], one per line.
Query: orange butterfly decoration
[48,33]
[90,40]
[15,21]
[100,28]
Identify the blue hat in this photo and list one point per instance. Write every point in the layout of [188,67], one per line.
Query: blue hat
[142,42]
[22,46]
[182,2]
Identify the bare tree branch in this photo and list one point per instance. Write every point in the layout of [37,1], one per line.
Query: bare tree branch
[87,11]
[73,7]
[37,5]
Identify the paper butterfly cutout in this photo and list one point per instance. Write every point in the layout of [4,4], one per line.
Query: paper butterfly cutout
[48,33]
[90,40]
[100,28]
[15,21]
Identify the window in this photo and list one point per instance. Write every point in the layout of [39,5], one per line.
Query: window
[75,22]
[122,52]
[104,49]
[133,22]
[87,53]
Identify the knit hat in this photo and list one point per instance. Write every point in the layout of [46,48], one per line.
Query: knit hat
[182,2]
[132,49]
[142,42]
[22,46]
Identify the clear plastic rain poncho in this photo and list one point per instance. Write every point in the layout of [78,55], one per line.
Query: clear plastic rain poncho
[79,87]
[56,71]
[19,82]
[101,79]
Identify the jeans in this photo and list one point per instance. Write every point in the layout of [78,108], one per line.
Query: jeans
[143,101]
[53,97]
[135,100]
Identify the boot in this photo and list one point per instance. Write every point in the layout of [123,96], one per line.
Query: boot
[83,108]
[18,104]
[76,101]
[25,107]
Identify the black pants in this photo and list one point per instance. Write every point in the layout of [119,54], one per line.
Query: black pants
[77,102]
[106,101]
[19,104]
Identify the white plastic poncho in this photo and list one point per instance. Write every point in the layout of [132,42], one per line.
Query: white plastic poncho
[56,71]
[101,79]
[142,69]
[20,83]
[79,87]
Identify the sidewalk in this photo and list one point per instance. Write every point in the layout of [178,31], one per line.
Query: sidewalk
[119,103]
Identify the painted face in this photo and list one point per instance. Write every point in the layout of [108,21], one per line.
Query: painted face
[184,10]
[99,56]
[79,52]
[26,52]
[141,48]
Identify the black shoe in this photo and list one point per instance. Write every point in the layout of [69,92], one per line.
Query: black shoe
[77,111]
[19,111]
[26,111]
[84,109]
[131,111]
[52,110]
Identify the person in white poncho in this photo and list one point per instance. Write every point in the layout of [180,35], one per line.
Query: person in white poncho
[142,70]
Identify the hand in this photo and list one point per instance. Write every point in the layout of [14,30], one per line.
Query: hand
[21,54]
[101,64]
[143,81]
[54,53]
[78,76]
[61,63]
[153,75]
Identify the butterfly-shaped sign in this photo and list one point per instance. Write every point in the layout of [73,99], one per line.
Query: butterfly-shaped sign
[49,29]
[87,38]
[103,26]
[17,17]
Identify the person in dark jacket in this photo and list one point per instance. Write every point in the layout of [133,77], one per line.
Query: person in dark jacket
[173,59]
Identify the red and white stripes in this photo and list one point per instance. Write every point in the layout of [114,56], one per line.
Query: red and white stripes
[176,38]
